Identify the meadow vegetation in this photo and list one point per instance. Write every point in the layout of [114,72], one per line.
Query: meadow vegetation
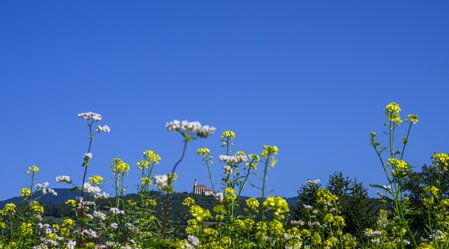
[411,210]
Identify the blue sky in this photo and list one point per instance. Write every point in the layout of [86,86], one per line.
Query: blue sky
[311,77]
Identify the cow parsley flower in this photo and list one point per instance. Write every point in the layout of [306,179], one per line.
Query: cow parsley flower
[87,156]
[313,182]
[104,128]
[117,211]
[91,189]
[227,170]
[161,181]
[193,240]
[193,128]
[233,159]
[63,178]
[90,116]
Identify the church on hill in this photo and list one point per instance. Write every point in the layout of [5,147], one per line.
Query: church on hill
[201,189]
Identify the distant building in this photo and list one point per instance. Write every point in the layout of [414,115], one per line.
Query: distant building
[201,189]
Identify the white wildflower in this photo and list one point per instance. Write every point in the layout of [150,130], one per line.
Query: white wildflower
[91,188]
[104,128]
[161,181]
[193,240]
[63,178]
[117,211]
[313,182]
[227,170]
[219,196]
[99,215]
[90,116]
[87,156]
[233,159]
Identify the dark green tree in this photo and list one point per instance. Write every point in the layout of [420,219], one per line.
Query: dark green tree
[358,209]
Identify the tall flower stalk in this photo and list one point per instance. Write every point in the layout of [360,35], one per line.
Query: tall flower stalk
[395,168]
[270,161]
[91,118]
[189,131]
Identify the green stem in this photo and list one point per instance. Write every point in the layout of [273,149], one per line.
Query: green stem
[210,177]
[406,140]
[167,195]
[246,179]
[263,187]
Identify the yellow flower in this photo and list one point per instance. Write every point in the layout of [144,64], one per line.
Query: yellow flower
[32,170]
[229,195]
[25,192]
[441,160]
[118,166]
[255,159]
[269,150]
[26,229]
[278,205]
[152,156]
[205,152]
[276,228]
[189,201]
[228,134]
[146,181]
[412,118]
[10,208]
[96,179]
[37,208]
[399,167]
[71,203]
[252,204]
[199,213]
[392,111]
[431,189]
[68,222]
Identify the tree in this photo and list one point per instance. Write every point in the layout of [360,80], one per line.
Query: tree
[359,211]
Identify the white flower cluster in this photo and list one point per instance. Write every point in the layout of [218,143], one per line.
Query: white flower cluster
[99,215]
[297,222]
[102,195]
[313,182]
[89,233]
[87,156]
[437,235]
[90,116]
[71,244]
[104,128]
[116,211]
[193,240]
[191,127]
[219,197]
[233,159]
[43,187]
[161,181]
[227,169]
[91,189]
[63,178]
[372,234]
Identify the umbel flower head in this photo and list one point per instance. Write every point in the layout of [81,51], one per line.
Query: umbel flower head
[187,128]
[92,116]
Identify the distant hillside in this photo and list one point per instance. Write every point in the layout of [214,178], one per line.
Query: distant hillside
[55,207]
[63,195]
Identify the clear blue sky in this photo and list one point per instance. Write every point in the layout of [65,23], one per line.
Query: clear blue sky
[311,77]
